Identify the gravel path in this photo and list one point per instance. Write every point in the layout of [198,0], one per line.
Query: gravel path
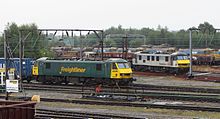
[174,81]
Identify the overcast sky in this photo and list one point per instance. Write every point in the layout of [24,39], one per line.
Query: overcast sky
[102,14]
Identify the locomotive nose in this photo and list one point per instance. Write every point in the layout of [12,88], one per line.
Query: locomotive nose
[183,63]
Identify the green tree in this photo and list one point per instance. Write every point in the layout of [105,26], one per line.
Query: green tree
[182,38]
[208,31]
[136,43]
[110,43]
[206,27]
[33,44]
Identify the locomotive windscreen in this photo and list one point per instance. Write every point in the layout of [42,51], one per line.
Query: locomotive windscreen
[123,65]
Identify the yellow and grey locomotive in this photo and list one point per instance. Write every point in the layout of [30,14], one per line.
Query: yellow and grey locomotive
[159,61]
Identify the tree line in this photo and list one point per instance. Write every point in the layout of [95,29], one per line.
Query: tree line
[38,45]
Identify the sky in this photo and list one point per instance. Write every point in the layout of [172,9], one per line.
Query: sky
[102,14]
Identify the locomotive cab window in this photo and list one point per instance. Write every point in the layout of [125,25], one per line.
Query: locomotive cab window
[47,65]
[181,57]
[114,66]
[123,65]
[35,64]
[98,67]
[174,58]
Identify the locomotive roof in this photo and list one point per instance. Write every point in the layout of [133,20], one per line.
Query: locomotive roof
[162,54]
[109,60]
[14,58]
[115,60]
[178,53]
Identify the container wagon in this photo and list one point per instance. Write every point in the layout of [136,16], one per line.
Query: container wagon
[15,63]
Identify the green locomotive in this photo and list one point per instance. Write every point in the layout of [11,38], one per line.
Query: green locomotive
[58,71]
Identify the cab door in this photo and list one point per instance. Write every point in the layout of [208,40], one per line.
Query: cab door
[174,61]
[35,69]
[114,71]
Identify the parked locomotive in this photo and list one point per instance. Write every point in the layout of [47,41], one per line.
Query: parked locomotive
[158,61]
[65,71]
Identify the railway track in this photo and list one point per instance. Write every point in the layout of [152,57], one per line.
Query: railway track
[176,88]
[66,114]
[131,87]
[130,104]
[134,94]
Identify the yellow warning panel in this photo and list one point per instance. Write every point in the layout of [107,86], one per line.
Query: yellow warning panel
[10,70]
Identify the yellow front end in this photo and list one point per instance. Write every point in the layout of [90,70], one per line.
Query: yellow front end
[216,57]
[35,70]
[120,73]
[183,63]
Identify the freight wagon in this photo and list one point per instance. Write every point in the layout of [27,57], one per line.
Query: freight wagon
[15,63]
[204,56]
[17,110]
[65,71]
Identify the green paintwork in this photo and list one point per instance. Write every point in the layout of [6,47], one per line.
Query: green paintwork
[76,68]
